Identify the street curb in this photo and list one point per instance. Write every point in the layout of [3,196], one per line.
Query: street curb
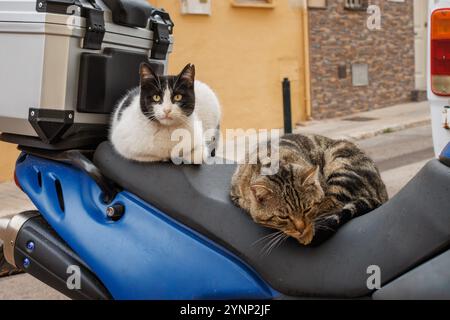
[388,129]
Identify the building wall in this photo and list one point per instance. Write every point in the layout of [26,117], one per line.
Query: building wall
[244,53]
[8,156]
[339,36]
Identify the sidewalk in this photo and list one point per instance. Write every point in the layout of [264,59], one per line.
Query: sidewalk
[12,200]
[371,123]
[355,127]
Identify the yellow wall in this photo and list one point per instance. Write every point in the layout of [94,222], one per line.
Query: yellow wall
[244,53]
[8,156]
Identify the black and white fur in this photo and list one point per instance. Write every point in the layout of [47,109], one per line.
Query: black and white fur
[146,117]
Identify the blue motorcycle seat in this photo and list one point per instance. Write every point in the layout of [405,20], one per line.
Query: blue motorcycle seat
[410,229]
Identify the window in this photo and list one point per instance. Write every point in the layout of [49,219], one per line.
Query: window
[356,4]
[196,7]
[360,74]
[253,3]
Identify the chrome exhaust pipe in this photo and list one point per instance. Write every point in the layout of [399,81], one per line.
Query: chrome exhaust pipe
[9,229]
[4,221]
[31,245]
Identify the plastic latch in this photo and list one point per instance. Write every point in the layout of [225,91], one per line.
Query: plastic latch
[95,29]
[162,27]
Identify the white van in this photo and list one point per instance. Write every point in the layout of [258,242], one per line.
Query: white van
[439,72]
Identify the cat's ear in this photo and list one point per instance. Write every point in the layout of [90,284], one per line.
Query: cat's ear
[311,176]
[146,72]
[261,192]
[188,74]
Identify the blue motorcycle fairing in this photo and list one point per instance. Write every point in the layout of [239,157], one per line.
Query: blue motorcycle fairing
[144,255]
[445,155]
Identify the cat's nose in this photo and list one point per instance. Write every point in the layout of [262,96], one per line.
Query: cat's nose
[167,111]
[299,225]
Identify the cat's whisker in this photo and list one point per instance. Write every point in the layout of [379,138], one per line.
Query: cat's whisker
[184,120]
[322,227]
[267,237]
[271,235]
[267,249]
[276,243]
[150,116]
[322,221]
[323,218]
[279,242]
[284,240]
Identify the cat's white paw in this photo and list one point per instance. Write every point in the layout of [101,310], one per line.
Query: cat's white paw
[196,156]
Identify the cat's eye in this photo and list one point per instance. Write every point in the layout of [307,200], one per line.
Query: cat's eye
[178,97]
[156,98]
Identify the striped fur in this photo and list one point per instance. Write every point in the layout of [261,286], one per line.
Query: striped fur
[321,185]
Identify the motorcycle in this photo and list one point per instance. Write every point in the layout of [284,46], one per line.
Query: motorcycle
[160,231]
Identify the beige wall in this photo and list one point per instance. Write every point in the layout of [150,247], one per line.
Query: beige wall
[244,53]
[8,156]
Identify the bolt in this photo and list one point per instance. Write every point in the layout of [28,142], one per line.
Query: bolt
[30,245]
[115,212]
[26,263]
[32,113]
[40,5]
[110,211]
[70,116]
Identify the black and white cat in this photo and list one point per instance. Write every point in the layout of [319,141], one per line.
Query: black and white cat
[146,118]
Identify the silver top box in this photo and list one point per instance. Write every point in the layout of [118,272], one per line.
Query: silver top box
[65,63]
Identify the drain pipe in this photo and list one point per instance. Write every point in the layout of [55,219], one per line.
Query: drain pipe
[287,105]
[306,47]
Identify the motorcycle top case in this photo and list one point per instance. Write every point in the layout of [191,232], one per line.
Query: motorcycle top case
[64,64]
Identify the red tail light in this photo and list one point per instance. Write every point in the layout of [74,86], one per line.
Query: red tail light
[440,52]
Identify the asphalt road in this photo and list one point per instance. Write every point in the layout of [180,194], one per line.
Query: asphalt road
[399,157]
[394,150]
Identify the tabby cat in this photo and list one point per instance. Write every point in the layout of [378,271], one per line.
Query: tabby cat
[321,184]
